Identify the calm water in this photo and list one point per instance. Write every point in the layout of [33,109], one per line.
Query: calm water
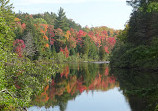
[88,87]
[111,100]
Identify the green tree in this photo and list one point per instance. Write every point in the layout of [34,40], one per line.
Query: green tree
[123,34]
[73,25]
[50,18]
[7,18]
[136,48]
[72,51]
[93,51]
[85,47]
[7,12]
[101,53]
[141,29]
[61,20]
[3,54]
[6,38]
[39,21]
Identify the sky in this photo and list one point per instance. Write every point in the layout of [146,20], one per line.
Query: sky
[91,13]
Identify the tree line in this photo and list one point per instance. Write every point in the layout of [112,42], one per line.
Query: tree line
[138,43]
[55,36]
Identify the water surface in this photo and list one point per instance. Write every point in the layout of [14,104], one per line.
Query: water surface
[82,87]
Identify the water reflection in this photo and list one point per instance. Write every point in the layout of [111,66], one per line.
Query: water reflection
[79,82]
[140,87]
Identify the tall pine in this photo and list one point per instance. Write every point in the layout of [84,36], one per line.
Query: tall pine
[61,21]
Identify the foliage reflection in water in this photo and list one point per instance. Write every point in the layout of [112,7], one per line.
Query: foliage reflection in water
[86,87]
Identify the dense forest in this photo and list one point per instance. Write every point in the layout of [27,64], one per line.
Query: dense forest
[134,59]
[138,43]
[30,43]
[51,36]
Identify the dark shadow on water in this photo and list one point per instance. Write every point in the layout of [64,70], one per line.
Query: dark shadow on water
[140,87]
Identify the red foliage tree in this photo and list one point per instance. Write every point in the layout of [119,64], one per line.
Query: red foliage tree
[23,26]
[51,34]
[111,41]
[19,46]
[79,39]
[65,51]
[106,49]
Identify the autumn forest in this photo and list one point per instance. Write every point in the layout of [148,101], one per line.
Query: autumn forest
[47,59]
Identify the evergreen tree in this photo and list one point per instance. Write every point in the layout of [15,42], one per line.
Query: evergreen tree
[142,23]
[61,20]
[6,9]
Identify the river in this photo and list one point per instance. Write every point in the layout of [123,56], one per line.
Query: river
[96,87]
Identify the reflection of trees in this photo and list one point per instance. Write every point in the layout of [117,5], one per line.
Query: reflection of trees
[73,80]
[139,87]
[62,106]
